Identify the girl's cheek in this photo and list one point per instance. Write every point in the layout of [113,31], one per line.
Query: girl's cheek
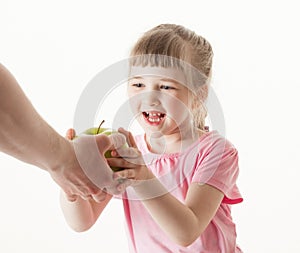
[177,109]
[134,106]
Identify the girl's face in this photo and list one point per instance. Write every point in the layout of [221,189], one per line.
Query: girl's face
[159,100]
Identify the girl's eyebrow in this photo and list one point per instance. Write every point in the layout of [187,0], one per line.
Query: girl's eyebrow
[170,80]
[135,77]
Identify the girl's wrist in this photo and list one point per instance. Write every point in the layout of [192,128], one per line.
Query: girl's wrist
[149,189]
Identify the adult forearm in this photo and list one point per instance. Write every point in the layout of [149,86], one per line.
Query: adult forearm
[23,133]
[27,137]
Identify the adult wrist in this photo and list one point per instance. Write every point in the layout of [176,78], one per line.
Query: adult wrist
[61,154]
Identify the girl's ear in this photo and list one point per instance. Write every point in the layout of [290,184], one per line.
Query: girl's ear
[203,92]
[200,97]
[198,108]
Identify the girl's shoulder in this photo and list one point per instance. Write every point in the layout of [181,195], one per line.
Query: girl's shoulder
[207,142]
[214,139]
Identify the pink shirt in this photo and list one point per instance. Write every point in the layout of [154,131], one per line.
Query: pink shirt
[212,160]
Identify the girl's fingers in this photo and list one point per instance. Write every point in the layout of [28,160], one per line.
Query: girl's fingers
[117,162]
[125,183]
[128,173]
[132,140]
[126,163]
[126,153]
[129,137]
[118,140]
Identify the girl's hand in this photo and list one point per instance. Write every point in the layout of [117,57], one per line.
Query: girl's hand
[131,161]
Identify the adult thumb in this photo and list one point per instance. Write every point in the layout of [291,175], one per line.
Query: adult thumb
[103,142]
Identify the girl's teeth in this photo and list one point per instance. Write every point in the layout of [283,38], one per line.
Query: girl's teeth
[154,120]
[154,114]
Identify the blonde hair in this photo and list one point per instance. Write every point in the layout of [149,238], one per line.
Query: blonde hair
[180,43]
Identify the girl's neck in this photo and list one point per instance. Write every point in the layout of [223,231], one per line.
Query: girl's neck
[172,143]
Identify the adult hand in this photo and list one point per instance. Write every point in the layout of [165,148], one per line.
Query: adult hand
[25,135]
[89,172]
[71,177]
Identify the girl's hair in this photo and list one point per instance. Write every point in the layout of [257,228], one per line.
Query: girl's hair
[179,43]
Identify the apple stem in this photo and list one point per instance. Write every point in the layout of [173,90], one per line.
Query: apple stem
[100,126]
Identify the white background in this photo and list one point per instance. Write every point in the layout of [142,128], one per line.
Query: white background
[54,48]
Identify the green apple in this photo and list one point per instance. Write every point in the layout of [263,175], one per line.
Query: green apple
[106,131]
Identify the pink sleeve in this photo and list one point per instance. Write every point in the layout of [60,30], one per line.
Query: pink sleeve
[218,167]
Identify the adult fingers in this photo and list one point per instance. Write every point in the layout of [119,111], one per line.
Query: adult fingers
[77,183]
[86,188]
[90,152]
[103,142]
[71,197]
[87,197]
[70,134]
[101,196]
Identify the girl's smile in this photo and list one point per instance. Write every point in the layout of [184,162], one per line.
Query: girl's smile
[154,118]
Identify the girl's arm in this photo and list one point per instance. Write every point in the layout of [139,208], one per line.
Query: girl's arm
[183,222]
[82,214]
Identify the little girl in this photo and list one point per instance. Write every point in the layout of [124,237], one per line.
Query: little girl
[179,178]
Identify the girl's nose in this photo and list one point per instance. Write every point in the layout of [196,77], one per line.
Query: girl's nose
[151,98]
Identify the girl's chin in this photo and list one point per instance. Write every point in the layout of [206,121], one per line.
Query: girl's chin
[151,129]
[164,128]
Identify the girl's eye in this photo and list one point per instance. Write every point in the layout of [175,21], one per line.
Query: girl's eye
[166,87]
[138,85]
